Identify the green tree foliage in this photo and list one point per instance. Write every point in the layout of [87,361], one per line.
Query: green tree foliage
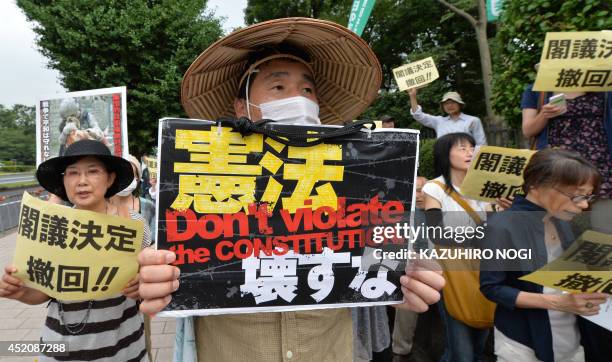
[426,164]
[146,45]
[17,134]
[520,39]
[400,32]
[262,10]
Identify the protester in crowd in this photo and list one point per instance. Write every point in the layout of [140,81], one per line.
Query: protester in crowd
[584,125]
[130,199]
[405,320]
[456,121]
[111,328]
[278,82]
[535,323]
[465,312]
[387,121]
[145,183]
[152,192]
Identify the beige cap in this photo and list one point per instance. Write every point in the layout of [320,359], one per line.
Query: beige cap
[454,96]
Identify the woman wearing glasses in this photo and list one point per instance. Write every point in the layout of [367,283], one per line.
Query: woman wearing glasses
[533,322]
[108,329]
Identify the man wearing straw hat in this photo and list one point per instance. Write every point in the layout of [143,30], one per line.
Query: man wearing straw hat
[298,71]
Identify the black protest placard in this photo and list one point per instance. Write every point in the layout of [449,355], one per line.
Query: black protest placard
[260,225]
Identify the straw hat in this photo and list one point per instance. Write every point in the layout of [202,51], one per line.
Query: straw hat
[50,173]
[346,71]
[453,96]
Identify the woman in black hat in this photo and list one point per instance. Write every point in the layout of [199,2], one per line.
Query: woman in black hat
[87,175]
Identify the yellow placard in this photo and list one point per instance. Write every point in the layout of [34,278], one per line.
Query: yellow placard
[576,61]
[151,164]
[73,254]
[416,74]
[495,172]
[585,267]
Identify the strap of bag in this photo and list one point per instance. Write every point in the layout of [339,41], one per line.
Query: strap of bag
[534,139]
[458,199]
[296,138]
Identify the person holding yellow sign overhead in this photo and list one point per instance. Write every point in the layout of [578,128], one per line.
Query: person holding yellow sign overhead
[110,329]
[532,322]
[455,122]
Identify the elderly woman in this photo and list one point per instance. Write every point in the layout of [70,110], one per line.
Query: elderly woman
[110,329]
[533,322]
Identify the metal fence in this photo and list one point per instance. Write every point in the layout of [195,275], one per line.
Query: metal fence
[506,137]
[9,214]
[9,206]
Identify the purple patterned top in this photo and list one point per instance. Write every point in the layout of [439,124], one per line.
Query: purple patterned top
[581,129]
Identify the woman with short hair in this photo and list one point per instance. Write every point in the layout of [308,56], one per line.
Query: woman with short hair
[533,322]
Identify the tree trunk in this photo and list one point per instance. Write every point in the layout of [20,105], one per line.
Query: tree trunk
[480,27]
[485,58]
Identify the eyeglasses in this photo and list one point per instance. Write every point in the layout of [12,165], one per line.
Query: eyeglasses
[578,198]
[90,173]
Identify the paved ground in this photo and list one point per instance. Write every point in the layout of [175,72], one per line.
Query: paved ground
[22,322]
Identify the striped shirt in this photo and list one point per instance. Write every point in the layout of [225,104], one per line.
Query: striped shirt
[113,329]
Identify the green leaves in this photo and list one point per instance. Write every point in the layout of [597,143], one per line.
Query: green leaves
[17,130]
[145,45]
[520,37]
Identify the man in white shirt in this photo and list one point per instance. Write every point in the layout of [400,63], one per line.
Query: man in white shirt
[456,121]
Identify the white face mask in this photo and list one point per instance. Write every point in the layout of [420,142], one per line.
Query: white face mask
[129,189]
[292,110]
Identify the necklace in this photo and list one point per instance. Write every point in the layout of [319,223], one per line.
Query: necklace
[78,327]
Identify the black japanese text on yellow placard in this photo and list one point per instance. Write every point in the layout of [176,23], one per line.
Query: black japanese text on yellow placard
[73,254]
[495,172]
[585,267]
[576,61]
[415,74]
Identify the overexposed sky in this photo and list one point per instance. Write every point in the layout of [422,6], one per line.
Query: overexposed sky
[24,76]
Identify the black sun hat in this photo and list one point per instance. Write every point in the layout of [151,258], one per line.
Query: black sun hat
[50,172]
